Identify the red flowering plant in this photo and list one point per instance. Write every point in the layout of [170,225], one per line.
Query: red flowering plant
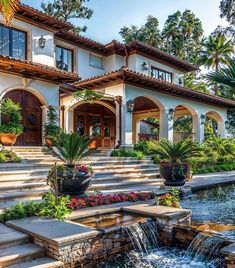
[100,199]
[170,199]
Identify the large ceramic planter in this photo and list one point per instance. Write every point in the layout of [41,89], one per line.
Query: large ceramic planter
[94,143]
[73,183]
[7,139]
[173,175]
[48,142]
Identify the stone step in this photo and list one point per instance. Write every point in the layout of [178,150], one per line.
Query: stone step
[118,167]
[23,167]
[125,184]
[43,262]
[24,178]
[118,162]
[22,186]
[10,237]
[99,174]
[19,253]
[104,158]
[127,177]
[51,160]
[27,148]
[17,195]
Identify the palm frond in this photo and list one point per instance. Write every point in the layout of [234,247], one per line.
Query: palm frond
[8,9]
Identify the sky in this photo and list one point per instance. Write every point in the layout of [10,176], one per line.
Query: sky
[111,15]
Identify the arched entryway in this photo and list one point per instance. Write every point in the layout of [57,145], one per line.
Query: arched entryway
[98,122]
[214,125]
[32,117]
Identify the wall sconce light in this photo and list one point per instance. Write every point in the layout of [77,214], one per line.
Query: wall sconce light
[144,66]
[130,106]
[180,81]
[226,124]
[171,113]
[203,119]
[41,42]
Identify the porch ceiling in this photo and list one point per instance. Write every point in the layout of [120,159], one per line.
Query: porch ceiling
[124,75]
[35,70]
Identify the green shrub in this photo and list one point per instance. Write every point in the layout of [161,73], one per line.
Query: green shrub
[50,207]
[54,207]
[147,147]
[8,156]
[127,153]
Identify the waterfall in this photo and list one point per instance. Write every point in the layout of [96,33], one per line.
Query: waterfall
[205,248]
[143,236]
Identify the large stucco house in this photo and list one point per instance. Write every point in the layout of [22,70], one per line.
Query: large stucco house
[42,63]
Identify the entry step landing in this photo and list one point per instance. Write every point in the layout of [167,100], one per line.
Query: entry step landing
[16,251]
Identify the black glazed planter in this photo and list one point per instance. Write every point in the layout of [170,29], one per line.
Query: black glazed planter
[173,175]
[73,183]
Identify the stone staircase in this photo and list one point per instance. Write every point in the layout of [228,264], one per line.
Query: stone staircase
[27,180]
[16,251]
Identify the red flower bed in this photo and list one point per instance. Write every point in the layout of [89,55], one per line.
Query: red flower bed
[100,199]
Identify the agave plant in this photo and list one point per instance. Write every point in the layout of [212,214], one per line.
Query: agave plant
[177,151]
[8,9]
[70,147]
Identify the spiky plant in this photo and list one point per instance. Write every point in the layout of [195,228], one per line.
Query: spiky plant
[177,151]
[70,147]
[8,9]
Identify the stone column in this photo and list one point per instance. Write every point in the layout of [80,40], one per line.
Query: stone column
[198,128]
[44,120]
[222,129]
[126,137]
[166,125]
[68,117]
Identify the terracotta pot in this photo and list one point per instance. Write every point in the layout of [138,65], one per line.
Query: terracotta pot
[93,144]
[48,142]
[8,139]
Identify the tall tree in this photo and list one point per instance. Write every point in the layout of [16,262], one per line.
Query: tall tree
[227,9]
[8,9]
[67,10]
[149,33]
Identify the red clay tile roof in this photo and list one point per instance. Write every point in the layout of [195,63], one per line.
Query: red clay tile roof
[38,71]
[35,16]
[124,75]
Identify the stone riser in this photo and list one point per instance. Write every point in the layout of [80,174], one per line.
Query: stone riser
[22,186]
[101,174]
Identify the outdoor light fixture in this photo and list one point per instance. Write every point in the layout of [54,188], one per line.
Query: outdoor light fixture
[144,66]
[203,119]
[180,81]
[130,106]
[41,42]
[171,113]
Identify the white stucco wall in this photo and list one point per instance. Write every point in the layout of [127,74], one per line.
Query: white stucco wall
[48,93]
[113,63]
[135,61]
[35,53]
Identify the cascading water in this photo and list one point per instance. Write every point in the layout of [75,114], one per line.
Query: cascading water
[205,248]
[143,236]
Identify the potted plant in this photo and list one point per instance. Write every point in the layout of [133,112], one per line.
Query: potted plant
[11,126]
[174,155]
[51,128]
[72,177]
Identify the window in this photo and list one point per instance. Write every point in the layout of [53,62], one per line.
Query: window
[13,43]
[64,59]
[96,61]
[161,75]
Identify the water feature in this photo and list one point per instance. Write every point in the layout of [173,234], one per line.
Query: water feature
[203,252]
[214,209]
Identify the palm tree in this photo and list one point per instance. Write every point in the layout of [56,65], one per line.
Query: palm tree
[225,76]
[8,9]
[215,51]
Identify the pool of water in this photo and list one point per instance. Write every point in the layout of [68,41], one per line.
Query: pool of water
[159,258]
[111,220]
[214,210]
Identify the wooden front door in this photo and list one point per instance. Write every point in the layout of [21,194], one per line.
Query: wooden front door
[97,122]
[32,117]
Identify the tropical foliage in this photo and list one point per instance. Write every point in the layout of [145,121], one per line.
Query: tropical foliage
[127,153]
[67,10]
[8,9]
[8,156]
[11,117]
[70,147]
[51,128]
[88,95]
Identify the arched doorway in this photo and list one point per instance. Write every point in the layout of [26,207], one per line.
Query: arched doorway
[98,122]
[146,119]
[32,117]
